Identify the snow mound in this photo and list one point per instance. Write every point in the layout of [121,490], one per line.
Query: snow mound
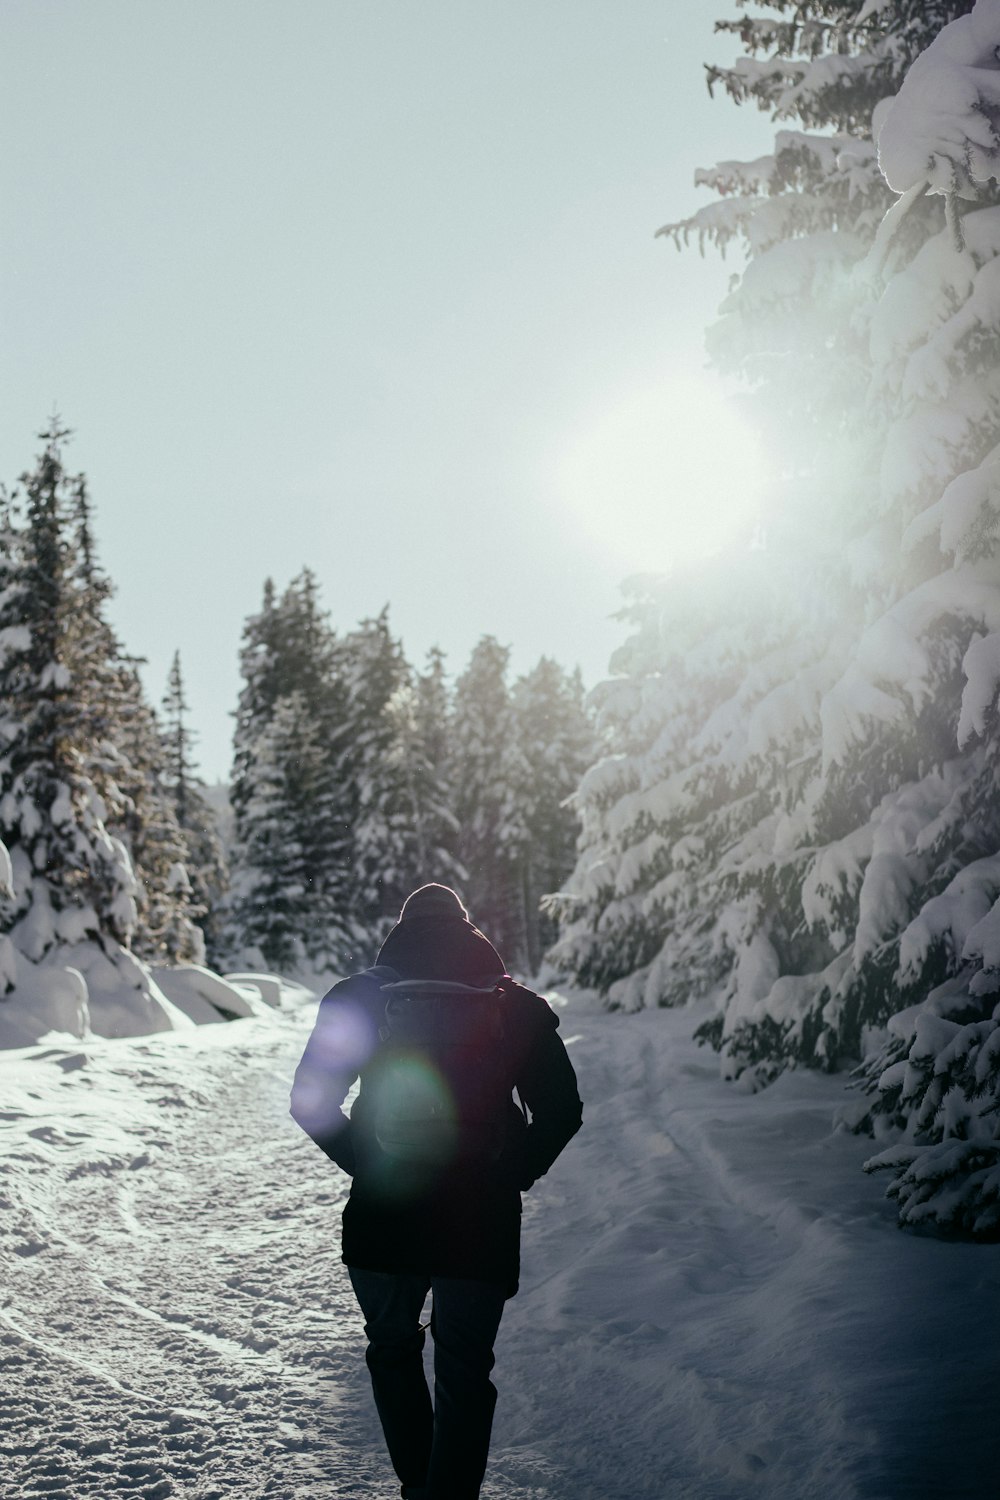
[82,990]
[205,997]
[270,987]
[46,1000]
[123,997]
[79,990]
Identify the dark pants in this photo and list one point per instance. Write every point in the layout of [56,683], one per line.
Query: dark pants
[438,1454]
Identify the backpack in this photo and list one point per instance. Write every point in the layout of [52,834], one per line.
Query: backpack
[442,1083]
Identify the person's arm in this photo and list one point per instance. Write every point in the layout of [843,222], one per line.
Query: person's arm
[546,1083]
[342,1040]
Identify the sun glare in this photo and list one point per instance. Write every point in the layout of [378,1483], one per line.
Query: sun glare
[662,475]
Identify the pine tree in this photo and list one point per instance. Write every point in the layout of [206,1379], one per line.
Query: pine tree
[881,827]
[820,742]
[93,645]
[294,683]
[72,880]
[125,759]
[558,743]
[166,931]
[259,663]
[935,1079]
[279,884]
[724,675]
[656,907]
[488,770]
[424,715]
[854,883]
[383,864]
[11,561]
[204,860]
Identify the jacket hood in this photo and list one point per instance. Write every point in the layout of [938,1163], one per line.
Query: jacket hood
[441,947]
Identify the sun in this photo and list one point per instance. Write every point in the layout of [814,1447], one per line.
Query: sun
[663,474]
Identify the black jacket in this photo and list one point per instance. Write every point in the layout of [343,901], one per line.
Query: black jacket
[465,1221]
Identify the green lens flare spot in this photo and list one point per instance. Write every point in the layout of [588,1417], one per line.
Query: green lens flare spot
[415,1114]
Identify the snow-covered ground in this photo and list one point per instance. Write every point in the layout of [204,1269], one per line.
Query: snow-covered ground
[715,1302]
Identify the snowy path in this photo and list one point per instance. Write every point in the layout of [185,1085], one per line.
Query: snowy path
[715,1303]
[157,1308]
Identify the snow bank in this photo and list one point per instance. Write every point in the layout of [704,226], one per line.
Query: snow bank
[123,997]
[270,987]
[204,997]
[81,989]
[46,1000]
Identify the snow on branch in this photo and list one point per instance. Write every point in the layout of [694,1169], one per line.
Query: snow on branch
[810,182]
[940,130]
[967,516]
[981,665]
[732,177]
[891,674]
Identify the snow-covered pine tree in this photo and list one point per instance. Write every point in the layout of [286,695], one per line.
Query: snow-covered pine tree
[125,758]
[936,1077]
[656,909]
[489,768]
[11,559]
[279,890]
[558,743]
[717,692]
[259,663]
[406,832]
[383,827]
[898,821]
[864,893]
[872,835]
[294,684]
[73,882]
[167,930]
[287,647]
[426,739]
[204,860]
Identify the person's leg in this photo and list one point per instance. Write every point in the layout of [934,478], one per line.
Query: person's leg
[464,1323]
[392,1306]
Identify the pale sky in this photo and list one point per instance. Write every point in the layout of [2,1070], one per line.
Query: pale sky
[373,287]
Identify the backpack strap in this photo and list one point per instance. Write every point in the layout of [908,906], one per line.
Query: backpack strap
[435,987]
[440,1007]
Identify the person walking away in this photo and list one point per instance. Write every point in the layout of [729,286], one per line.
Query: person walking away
[439,1155]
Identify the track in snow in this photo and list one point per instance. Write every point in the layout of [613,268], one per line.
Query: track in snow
[176,1323]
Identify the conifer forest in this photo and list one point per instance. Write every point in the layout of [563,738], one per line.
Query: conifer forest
[355,777]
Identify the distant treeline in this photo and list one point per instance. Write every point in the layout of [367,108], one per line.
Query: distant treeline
[355,777]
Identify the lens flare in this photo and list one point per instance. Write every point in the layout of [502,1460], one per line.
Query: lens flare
[662,474]
[345,1038]
[418,1126]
